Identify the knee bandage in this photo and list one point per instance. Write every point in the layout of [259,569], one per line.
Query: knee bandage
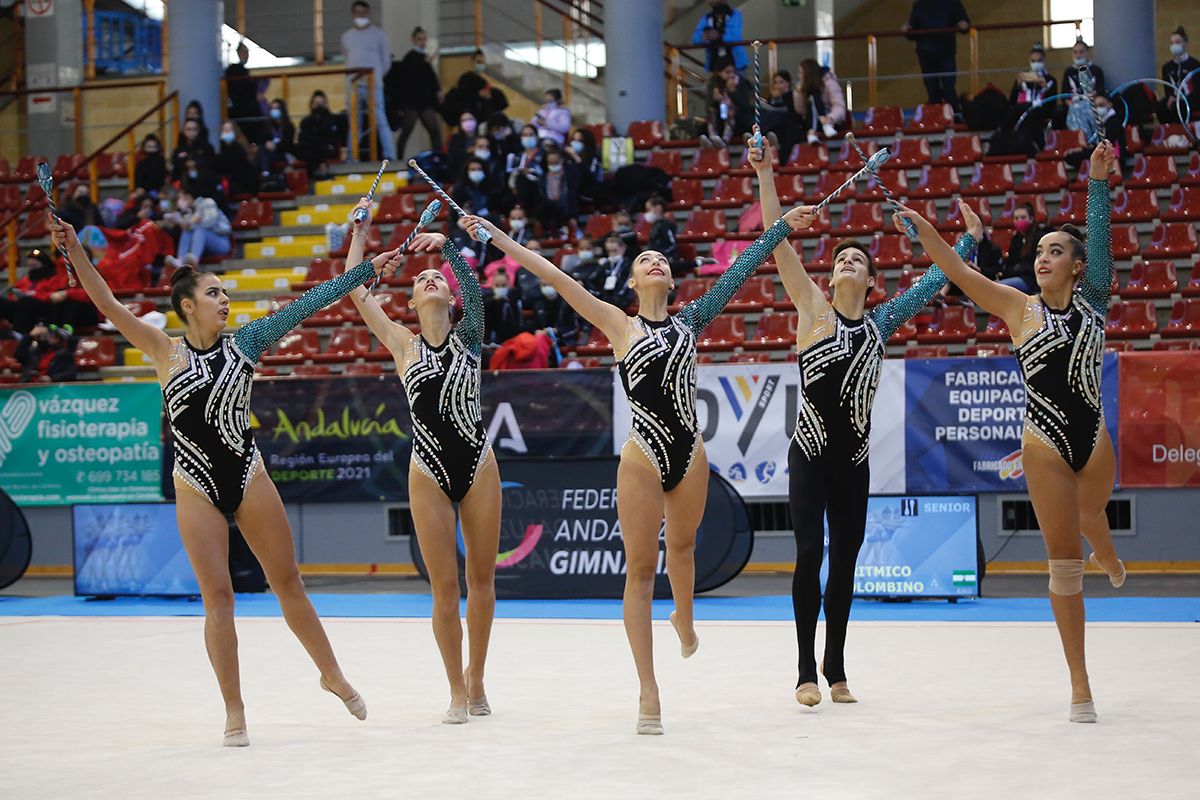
[1066,575]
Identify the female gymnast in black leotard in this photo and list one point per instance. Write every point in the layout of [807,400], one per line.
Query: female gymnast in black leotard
[663,466]
[841,347]
[206,378]
[452,461]
[1067,454]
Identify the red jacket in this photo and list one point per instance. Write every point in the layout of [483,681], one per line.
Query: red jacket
[523,351]
[126,262]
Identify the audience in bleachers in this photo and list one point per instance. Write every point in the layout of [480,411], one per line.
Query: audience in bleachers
[610,281]
[472,93]
[1173,72]
[780,115]
[553,121]
[150,174]
[524,170]
[192,146]
[818,98]
[731,112]
[43,296]
[79,209]
[473,191]
[195,111]
[502,311]
[232,163]
[1028,95]
[461,143]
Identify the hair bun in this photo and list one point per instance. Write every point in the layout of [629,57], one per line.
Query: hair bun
[181,272]
[1071,230]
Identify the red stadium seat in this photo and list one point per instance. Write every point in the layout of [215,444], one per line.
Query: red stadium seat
[1191,177]
[990,179]
[319,271]
[731,192]
[790,189]
[1059,143]
[1132,319]
[1185,320]
[986,350]
[936,182]
[69,166]
[848,157]
[1134,205]
[704,226]
[1185,205]
[1124,241]
[1072,209]
[685,194]
[688,290]
[1118,347]
[10,198]
[906,280]
[890,251]
[374,243]
[859,219]
[669,161]
[253,214]
[931,118]
[881,121]
[774,332]
[414,265]
[1175,345]
[1085,170]
[954,220]
[708,164]
[295,348]
[646,134]
[909,154]
[1040,214]
[825,284]
[1133,139]
[745,169]
[597,345]
[1151,279]
[822,258]
[598,226]
[878,293]
[1043,176]
[1192,287]
[345,344]
[1158,140]
[395,208]
[806,159]
[399,234]
[340,312]
[94,352]
[363,369]
[35,226]
[960,151]
[1152,172]
[905,333]
[1002,238]
[395,305]
[896,180]
[756,294]
[1172,239]
[749,358]
[827,181]
[26,169]
[311,371]
[926,351]
[996,331]
[112,165]
[726,332]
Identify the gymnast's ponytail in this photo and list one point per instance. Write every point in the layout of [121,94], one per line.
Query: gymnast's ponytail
[183,284]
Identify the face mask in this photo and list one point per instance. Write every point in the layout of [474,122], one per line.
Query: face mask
[1022,225]
[153,152]
[320,110]
[586,255]
[468,125]
[1079,62]
[475,176]
[362,22]
[529,142]
[227,137]
[193,174]
[276,113]
[549,292]
[480,66]
[577,147]
[554,167]
[517,224]
[420,50]
[483,154]
[651,217]
[500,292]
[1178,49]
[1037,66]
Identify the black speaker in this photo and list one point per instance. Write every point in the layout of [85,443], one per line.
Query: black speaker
[16,545]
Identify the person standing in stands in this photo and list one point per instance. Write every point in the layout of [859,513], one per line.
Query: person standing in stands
[242,90]
[321,134]
[366,46]
[936,51]
[412,87]
[1173,72]
[1080,115]
[722,24]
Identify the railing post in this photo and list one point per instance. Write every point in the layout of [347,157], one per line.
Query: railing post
[319,31]
[537,29]
[224,99]
[162,109]
[163,39]
[77,97]
[131,159]
[478,24]
[772,60]
[89,9]
[973,35]
[284,91]
[176,124]
[241,18]
[94,177]
[353,154]
[372,122]
[872,71]
[566,24]
[673,86]
[13,251]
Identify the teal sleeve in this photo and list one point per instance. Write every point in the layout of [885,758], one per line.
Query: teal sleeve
[890,316]
[1097,280]
[697,314]
[470,330]
[255,338]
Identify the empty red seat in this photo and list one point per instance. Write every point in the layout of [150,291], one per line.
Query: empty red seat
[598,226]
[597,344]
[374,243]
[1171,239]
[890,251]
[35,226]
[253,214]
[819,228]
[936,182]
[363,369]
[669,161]
[881,121]
[1159,140]
[731,192]
[726,332]
[1185,205]
[790,189]
[749,358]
[395,208]
[848,157]
[399,234]
[1124,241]
[1185,319]
[906,280]
[986,350]
[807,159]
[1151,279]
[646,134]
[1072,209]
[340,312]
[10,198]
[931,118]
[708,163]
[311,371]
[319,271]
[346,344]
[1001,237]
[1152,172]
[756,294]
[926,351]
[909,154]
[822,258]
[295,348]
[745,169]
[960,151]
[94,352]
[1163,344]
[395,305]
[703,225]
[1118,346]
[1192,287]
[905,333]
[1085,170]
[1131,319]
[1043,176]
[1134,205]
[827,181]
[109,166]
[414,265]
[896,180]
[690,289]
[774,332]
[68,166]
[824,283]
[685,194]
[1040,213]
[1191,177]
[859,219]
[990,179]
[1059,143]
[1133,139]
[996,331]
[954,220]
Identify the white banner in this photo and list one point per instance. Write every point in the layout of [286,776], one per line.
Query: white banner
[747,413]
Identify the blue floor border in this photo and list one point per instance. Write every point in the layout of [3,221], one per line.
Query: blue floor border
[757,608]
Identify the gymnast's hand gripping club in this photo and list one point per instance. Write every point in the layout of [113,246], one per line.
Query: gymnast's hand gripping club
[361,213]
[873,163]
[47,183]
[484,236]
[909,229]
[427,216]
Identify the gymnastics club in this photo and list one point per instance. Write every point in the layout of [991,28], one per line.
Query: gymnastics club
[1087,85]
[361,213]
[483,235]
[758,138]
[45,180]
[427,216]
[872,164]
[909,229]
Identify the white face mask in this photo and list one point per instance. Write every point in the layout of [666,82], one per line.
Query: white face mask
[484,154]
[1178,49]
[517,224]
[651,217]
[227,137]
[577,146]
[362,22]
[1080,61]
[500,292]
[475,176]
[480,66]
[529,142]
[1037,66]
[549,292]
[554,167]
[586,255]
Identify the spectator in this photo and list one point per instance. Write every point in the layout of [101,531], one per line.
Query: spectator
[201,182]
[279,147]
[322,134]
[779,115]
[509,265]
[720,114]
[809,101]
[936,51]
[243,91]
[461,143]
[661,236]
[1079,114]
[473,93]
[493,165]
[150,174]
[366,46]
[47,354]
[205,230]
[741,94]
[1173,72]
[471,191]
[611,281]
[44,295]
[551,312]
[552,120]
[139,208]
[79,210]
[124,258]
[1016,268]
[413,89]
[196,111]
[559,191]
[518,227]
[720,25]
[582,263]
[502,312]
[524,170]
[1114,131]
[233,163]
[505,140]
[582,151]
[192,145]
[835,102]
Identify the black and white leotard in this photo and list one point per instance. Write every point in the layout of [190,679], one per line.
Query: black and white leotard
[1063,349]
[658,370]
[442,383]
[207,395]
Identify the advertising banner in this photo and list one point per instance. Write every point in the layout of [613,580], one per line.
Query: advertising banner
[349,439]
[131,549]
[560,535]
[1160,420]
[81,443]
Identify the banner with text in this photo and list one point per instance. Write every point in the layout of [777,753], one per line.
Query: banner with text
[1160,419]
[81,443]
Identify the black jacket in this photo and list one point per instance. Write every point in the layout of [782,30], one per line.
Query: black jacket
[150,174]
[1175,71]
[411,83]
[927,14]
[321,136]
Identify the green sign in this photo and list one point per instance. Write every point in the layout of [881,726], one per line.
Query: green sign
[81,443]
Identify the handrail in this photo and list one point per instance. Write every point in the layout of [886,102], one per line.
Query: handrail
[8,224]
[993,26]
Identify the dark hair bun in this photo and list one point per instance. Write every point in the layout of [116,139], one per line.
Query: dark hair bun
[182,272]
[1071,230]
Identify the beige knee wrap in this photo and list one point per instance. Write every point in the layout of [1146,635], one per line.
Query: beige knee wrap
[1066,575]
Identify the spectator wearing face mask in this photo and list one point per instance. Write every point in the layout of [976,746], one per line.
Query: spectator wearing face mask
[47,354]
[44,293]
[582,263]
[1173,72]
[502,312]
[79,210]
[611,280]
[505,141]
[461,143]
[559,190]
[322,134]
[472,93]
[1016,268]
[279,148]
[366,46]
[524,170]
[150,174]
[192,145]
[553,121]
[1079,113]
[471,190]
[139,208]
[494,166]
[551,313]
[1113,130]
[581,150]
[232,162]
[661,235]
[1031,86]
[413,90]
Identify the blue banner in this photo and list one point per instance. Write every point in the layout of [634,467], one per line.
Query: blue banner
[964,418]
